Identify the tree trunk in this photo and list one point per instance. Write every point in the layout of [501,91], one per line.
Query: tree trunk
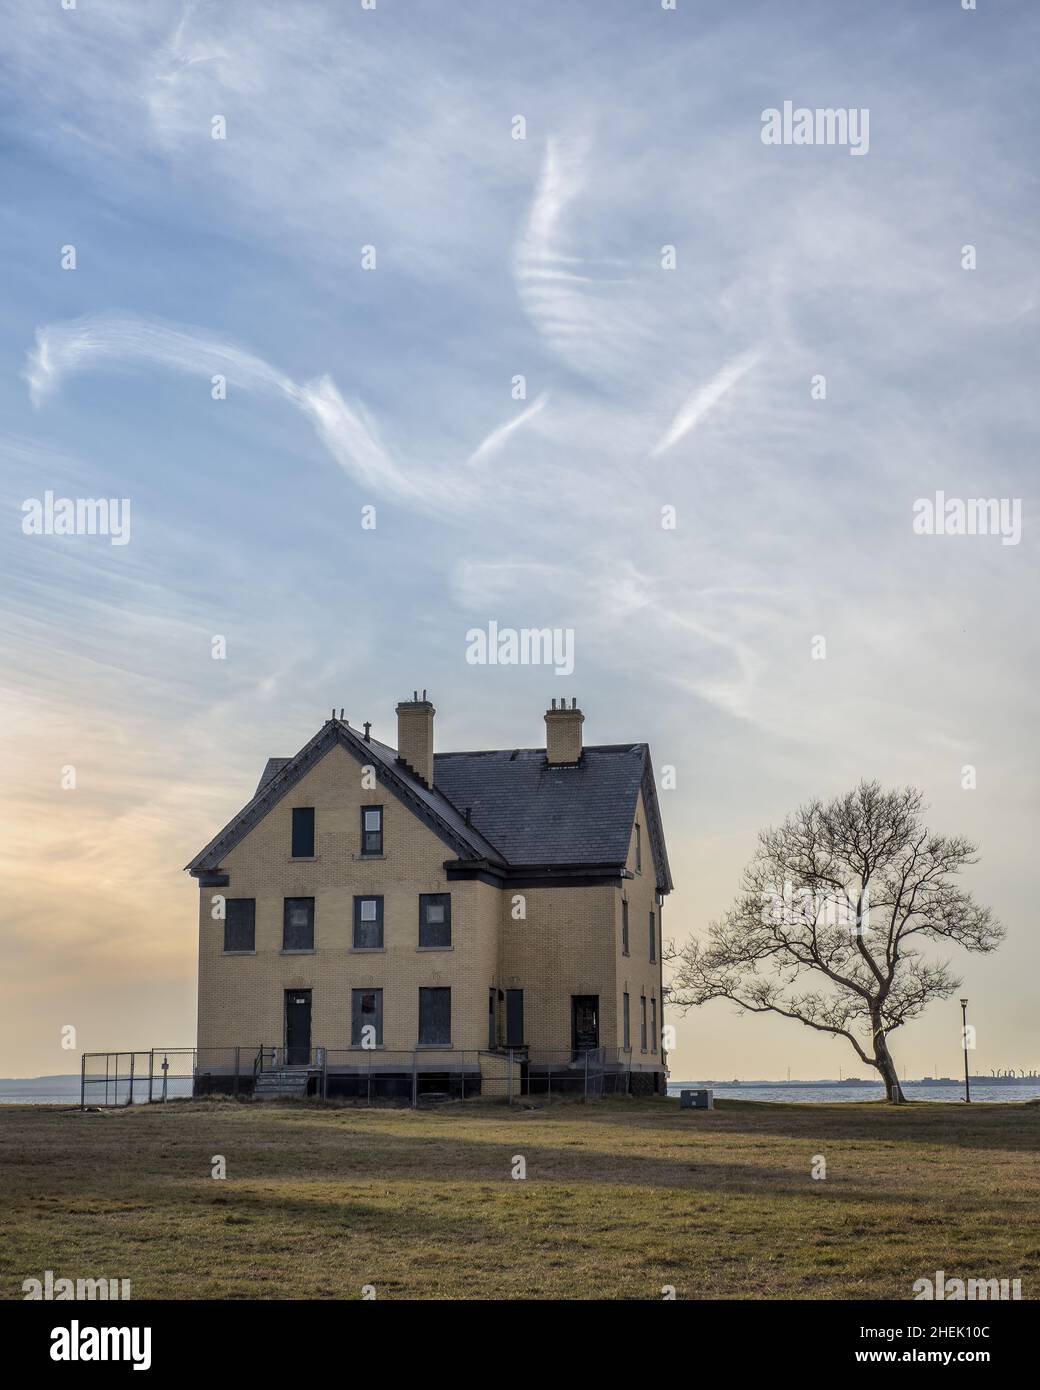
[885,1065]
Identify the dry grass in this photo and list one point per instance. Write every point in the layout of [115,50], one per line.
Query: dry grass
[621,1198]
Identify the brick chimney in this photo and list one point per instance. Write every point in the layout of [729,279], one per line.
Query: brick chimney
[563,733]
[415,735]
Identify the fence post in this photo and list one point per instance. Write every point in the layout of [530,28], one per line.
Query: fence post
[130,1097]
[83,1081]
[415,1081]
[586,1076]
[509,1091]
[238,1060]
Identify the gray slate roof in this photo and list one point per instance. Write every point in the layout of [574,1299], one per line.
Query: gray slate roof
[524,813]
[271,767]
[534,813]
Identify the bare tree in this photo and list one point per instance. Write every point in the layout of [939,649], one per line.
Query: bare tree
[826,925]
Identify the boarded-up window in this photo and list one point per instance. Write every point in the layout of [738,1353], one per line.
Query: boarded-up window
[434,1017]
[368,924]
[371,830]
[303,832]
[653,1025]
[626,1020]
[434,919]
[240,924]
[642,1022]
[624,926]
[298,925]
[366,1024]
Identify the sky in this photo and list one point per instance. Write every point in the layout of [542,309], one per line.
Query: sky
[371,258]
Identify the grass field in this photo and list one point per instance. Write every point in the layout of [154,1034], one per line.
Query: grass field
[621,1198]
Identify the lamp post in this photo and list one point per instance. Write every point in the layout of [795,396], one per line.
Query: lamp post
[964,1040]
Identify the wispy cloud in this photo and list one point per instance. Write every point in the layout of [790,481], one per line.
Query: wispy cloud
[704,400]
[497,438]
[347,430]
[588,316]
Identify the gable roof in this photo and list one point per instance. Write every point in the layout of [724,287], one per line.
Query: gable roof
[524,814]
[541,814]
[281,774]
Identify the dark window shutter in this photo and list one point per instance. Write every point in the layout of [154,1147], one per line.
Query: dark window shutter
[367,1012]
[434,1016]
[368,923]
[434,919]
[240,924]
[298,924]
[303,832]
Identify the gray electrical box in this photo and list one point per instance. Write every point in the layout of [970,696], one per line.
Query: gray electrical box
[697,1100]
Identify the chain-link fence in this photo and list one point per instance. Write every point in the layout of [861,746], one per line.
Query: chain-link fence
[368,1076]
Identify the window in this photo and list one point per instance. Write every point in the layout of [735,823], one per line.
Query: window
[627,1021]
[240,924]
[435,1018]
[624,926]
[298,925]
[303,832]
[639,850]
[368,924]
[434,919]
[653,1025]
[642,1022]
[653,938]
[366,1019]
[371,830]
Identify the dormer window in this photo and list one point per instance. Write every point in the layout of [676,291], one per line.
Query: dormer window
[371,830]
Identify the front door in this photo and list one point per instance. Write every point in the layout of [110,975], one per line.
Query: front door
[297,1027]
[584,1021]
[514,1018]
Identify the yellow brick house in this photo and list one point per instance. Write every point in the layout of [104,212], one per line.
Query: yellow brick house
[382,920]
